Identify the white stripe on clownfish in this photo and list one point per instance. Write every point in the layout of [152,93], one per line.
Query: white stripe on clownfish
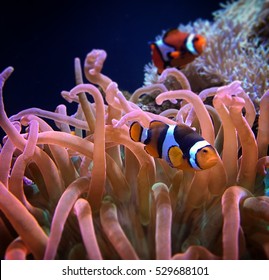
[190,45]
[168,142]
[164,49]
[193,152]
[144,135]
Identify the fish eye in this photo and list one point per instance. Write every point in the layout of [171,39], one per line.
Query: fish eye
[205,151]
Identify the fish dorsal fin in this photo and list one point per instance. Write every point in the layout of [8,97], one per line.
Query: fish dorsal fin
[175,38]
[157,124]
[175,156]
[171,32]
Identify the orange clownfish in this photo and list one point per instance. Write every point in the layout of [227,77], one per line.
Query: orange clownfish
[179,145]
[176,49]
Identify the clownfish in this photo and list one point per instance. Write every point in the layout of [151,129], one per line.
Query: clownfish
[176,49]
[179,145]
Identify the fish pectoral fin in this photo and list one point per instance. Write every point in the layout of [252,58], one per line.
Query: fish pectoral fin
[152,151]
[175,156]
[175,54]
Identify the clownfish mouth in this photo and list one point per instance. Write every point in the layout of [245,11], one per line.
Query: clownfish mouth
[211,162]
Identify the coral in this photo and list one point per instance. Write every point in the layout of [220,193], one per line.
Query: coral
[237,49]
[84,190]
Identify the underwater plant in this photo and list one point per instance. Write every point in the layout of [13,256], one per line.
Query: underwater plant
[84,190]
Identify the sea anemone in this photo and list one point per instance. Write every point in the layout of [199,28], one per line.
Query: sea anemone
[84,190]
[237,49]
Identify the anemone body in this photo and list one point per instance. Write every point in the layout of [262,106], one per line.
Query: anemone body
[84,190]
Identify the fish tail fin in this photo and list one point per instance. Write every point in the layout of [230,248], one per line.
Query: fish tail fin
[136,131]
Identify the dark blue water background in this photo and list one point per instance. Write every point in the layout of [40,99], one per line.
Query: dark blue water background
[40,40]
